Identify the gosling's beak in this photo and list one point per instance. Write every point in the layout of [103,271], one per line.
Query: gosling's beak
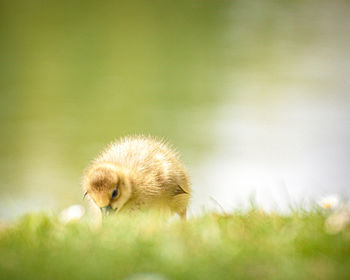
[107,210]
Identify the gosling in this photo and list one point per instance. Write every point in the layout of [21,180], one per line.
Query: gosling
[138,173]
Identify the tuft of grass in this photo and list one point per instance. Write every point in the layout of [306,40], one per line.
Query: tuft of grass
[240,245]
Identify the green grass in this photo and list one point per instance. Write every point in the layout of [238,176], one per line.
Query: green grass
[249,245]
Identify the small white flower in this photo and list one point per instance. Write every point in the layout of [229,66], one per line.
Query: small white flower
[329,202]
[338,221]
[72,213]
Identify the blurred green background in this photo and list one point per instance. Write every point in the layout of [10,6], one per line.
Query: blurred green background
[206,75]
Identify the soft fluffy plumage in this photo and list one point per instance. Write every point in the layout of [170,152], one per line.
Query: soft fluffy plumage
[147,173]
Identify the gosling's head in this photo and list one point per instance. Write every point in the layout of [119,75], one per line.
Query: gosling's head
[108,186]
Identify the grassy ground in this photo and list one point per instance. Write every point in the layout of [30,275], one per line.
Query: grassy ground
[250,245]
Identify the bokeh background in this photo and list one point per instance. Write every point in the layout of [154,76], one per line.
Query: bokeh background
[254,94]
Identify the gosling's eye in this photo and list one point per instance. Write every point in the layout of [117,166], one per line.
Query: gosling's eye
[114,193]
